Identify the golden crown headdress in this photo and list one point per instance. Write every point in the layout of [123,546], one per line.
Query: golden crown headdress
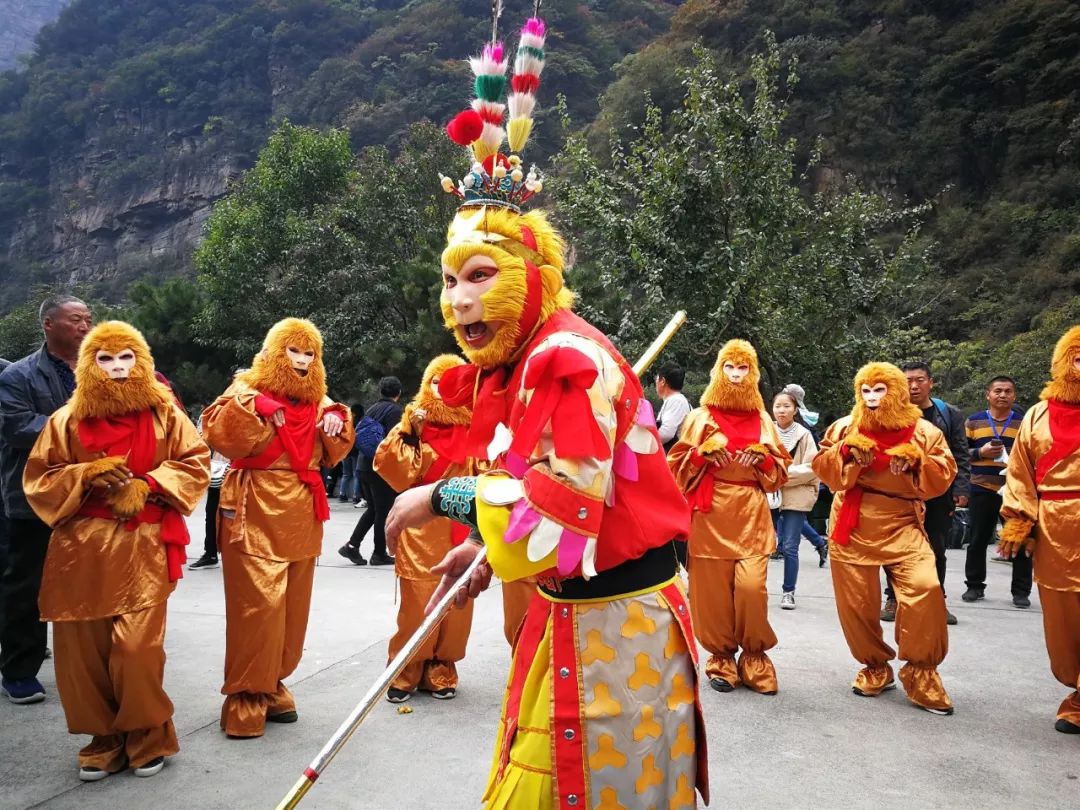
[495,178]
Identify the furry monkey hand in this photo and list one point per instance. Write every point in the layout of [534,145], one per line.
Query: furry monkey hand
[1016,537]
[106,472]
[714,448]
[128,500]
[862,448]
[904,458]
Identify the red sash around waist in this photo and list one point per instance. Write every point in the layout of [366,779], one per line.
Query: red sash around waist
[174,531]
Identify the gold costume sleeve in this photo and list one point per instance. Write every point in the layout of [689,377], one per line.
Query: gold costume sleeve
[52,479]
[231,425]
[1020,496]
[401,461]
[697,427]
[184,474]
[335,448]
[835,471]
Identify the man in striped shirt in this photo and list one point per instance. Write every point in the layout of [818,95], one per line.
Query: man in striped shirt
[990,435]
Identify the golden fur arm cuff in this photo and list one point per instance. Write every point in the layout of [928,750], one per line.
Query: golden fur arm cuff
[94,469]
[757,449]
[128,500]
[908,453]
[856,441]
[713,444]
[1016,530]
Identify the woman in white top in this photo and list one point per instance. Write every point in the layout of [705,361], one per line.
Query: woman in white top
[800,494]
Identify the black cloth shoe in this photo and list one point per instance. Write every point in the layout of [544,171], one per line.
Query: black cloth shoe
[776,555]
[205,561]
[397,695]
[381,559]
[1021,601]
[1065,727]
[720,685]
[283,717]
[351,554]
[449,693]
[973,595]
[949,620]
[822,554]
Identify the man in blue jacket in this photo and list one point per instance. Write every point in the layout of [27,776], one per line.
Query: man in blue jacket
[30,390]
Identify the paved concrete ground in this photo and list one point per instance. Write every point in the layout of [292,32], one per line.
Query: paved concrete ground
[813,745]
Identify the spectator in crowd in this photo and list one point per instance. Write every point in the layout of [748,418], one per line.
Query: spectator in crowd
[3,515]
[30,390]
[798,495]
[350,475]
[939,511]
[379,495]
[673,411]
[990,435]
[219,465]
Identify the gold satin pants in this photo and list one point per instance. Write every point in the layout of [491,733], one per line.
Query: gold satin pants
[109,673]
[516,596]
[921,633]
[432,667]
[266,615]
[1061,624]
[729,606]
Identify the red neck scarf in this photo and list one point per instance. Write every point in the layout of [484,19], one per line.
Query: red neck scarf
[132,436]
[742,429]
[296,439]
[1064,436]
[848,518]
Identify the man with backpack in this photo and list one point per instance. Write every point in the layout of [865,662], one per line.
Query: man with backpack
[939,511]
[378,420]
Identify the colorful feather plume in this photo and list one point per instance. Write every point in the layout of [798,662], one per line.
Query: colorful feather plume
[528,64]
[490,71]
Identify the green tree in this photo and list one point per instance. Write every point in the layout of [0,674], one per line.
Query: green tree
[702,210]
[166,314]
[352,244]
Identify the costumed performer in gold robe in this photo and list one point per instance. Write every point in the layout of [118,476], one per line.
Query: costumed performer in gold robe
[114,472]
[429,444]
[1041,509]
[727,457]
[883,462]
[277,427]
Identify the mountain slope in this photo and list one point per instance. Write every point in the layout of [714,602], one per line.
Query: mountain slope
[20,21]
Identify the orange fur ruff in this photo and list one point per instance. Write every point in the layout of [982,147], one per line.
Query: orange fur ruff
[722,393]
[438,412]
[496,233]
[272,372]
[1064,385]
[895,411]
[97,395]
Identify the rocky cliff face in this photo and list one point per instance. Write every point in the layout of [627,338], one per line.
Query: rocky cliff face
[20,20]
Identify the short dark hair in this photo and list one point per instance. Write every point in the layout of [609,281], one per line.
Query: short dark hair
[918,366]
[1000,378]
[53,303]
[673,375]
[390,387]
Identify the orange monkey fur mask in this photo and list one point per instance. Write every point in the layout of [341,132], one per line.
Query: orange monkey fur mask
[290,344]
[727,395]
[99,395]
[1064,384]
[894,410]
[528,287]
[427,398]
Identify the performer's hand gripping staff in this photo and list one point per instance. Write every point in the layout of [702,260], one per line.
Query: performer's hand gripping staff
[464,575]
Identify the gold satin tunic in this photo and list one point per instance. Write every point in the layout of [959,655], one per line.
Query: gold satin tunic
[740,524]
[274,514]
[96,568]
[890,526]
[1056,556]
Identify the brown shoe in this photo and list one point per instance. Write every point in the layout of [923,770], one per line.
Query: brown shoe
[888,612]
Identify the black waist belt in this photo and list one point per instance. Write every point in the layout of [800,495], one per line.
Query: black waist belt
[653,567]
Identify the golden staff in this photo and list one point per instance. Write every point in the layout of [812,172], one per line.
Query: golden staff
[394,668]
